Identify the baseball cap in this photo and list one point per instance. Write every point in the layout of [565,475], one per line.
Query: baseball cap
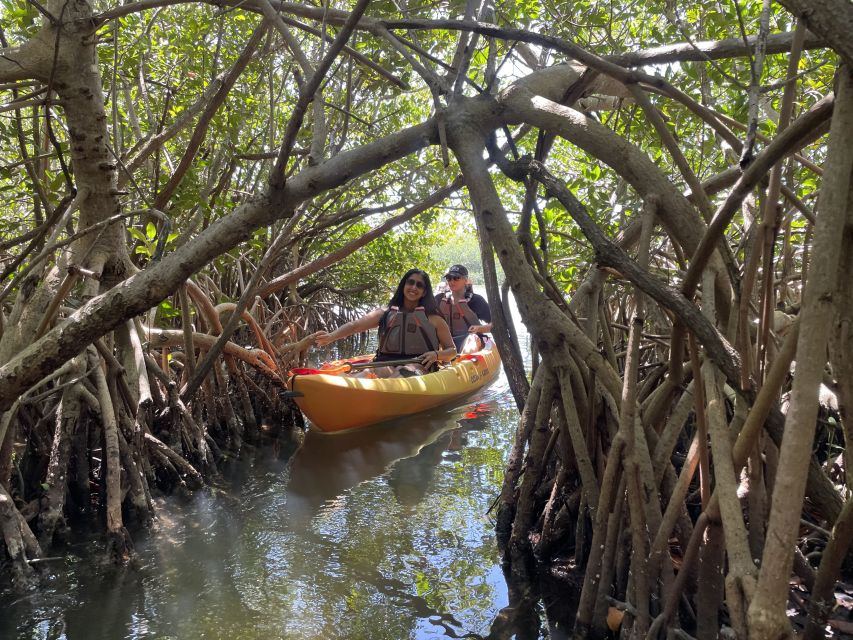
[457,270]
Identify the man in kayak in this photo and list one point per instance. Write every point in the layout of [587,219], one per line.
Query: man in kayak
[409,327]
[466,313]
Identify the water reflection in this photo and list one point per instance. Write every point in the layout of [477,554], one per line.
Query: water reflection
[378,534]
[408,449]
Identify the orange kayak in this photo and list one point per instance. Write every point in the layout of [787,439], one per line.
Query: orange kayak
[336,401]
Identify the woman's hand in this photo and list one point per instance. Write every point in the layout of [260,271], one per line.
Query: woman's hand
[429,358]
[322,338]
[474,328]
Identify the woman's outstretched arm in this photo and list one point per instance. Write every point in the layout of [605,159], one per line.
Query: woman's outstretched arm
[364,323]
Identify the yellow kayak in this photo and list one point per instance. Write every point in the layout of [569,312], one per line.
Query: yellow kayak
[336,401]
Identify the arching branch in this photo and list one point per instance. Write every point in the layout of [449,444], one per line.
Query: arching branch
[148,287]
[832,20]
[611,255]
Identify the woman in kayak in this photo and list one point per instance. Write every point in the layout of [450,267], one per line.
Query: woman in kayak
[409,327]
[466,312]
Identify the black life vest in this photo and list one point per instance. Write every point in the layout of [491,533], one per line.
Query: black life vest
[459,315]
[406,334]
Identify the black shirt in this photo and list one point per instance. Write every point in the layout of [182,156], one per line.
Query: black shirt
[478,305]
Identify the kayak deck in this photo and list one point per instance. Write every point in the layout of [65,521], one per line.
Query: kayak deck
[336,402]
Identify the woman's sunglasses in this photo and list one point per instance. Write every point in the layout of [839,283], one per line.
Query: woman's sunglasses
[416,283]
[449,278]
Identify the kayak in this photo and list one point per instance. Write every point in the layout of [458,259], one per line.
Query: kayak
[335,401]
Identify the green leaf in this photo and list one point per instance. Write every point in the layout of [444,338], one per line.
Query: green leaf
[136,233]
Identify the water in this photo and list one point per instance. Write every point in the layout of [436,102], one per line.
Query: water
[382,533]
[379,533]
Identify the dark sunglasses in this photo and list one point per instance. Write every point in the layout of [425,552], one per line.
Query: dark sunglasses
[449,278]
[416,283]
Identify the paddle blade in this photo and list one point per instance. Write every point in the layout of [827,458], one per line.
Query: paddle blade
[303,371]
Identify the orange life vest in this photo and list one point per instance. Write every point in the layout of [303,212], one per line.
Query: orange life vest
[406,334]
[458,314]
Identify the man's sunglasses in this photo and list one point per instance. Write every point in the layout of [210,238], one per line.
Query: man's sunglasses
[449,278]
[416,283]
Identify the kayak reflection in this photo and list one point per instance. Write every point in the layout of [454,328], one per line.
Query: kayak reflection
[408,450]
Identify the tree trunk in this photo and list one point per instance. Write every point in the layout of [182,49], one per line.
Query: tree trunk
[767,611]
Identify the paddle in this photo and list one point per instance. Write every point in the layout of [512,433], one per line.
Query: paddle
[347,367]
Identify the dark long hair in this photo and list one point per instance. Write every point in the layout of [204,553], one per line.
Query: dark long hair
[427,300]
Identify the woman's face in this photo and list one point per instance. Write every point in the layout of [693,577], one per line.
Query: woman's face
[413,289]
[456,283]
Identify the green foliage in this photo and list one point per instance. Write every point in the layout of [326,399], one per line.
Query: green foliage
[148,241]
[462,248]
[166,311]
[154,74]
[381,263]
[18,18]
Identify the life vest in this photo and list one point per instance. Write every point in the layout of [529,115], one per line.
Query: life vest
[406,334]
[458,314]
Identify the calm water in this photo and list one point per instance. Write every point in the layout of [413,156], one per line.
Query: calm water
[381,533]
